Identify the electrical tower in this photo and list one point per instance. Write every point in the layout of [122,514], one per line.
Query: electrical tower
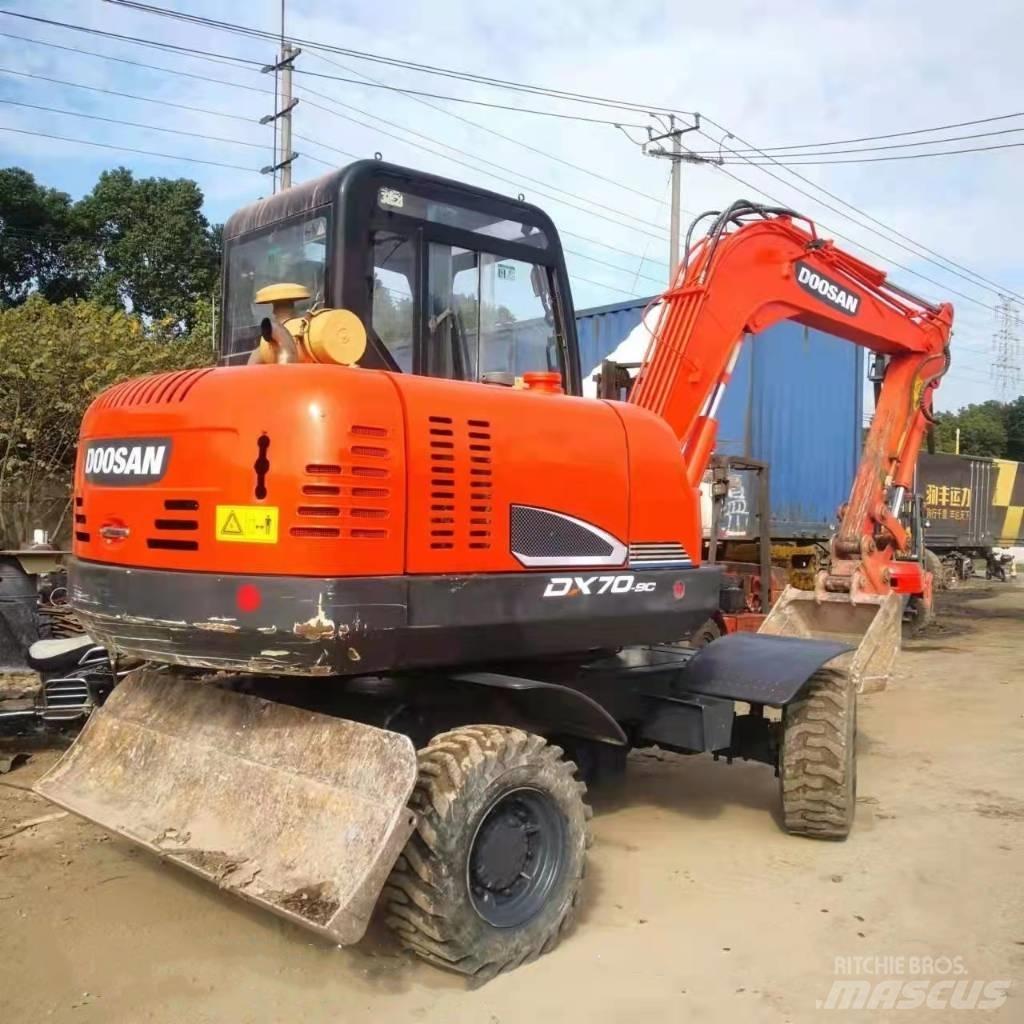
[1006,354]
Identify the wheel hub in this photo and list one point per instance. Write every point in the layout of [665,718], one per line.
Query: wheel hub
[516,858]
[502,849]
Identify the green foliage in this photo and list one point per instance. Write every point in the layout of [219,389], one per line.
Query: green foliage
[41,248]
[1014,420]
[54,360]
[136,244]
[990,428]
[158,253]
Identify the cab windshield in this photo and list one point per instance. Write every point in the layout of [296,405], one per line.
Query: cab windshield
[486,314]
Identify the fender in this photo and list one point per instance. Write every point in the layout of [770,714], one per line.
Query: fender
[756,667]
[564,709]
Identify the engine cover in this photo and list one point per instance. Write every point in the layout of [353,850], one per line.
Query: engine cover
[295,507]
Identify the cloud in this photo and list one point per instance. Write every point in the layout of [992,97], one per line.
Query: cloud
[775,74]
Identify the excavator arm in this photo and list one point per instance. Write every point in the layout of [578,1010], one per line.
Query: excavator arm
[755,267]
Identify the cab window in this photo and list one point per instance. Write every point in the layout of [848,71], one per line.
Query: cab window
[293,251]
[487,315]
[392,310]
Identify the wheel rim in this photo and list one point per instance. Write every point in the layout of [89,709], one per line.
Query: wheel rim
[516,858]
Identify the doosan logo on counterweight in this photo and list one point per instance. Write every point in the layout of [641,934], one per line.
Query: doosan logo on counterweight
[139,460]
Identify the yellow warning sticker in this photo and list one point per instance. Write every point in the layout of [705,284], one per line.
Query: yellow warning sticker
[250,524]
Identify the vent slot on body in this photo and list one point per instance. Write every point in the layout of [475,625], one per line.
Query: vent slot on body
[170,528]
[168,544]
[156,389]
[461,484]
[365,460]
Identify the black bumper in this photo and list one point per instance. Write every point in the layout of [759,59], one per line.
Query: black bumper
[351,626]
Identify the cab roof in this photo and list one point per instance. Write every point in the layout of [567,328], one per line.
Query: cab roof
[328,187]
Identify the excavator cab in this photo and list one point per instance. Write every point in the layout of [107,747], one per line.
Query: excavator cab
[449,280]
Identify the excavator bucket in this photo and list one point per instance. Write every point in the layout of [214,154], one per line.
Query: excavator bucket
[871,624]
[298,812]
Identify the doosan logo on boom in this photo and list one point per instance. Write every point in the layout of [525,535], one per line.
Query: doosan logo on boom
[824,288]
[127,462]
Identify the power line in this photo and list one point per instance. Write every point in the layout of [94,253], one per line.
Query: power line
[222,57]
[239,117]
[504,83]
[979,280]
[622,270]
[786,157]
[554,199]
[239,85]
[125,95]
[601,284]
[136,63]
[889,135]
[134,124]
[456,160]
[606,245]
[507,138]
[846,238]
[866,227]
[431,69]
[130,149]
[243,30]
[519,175]
[787,162]
[461,99]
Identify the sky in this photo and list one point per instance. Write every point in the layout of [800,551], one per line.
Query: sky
[771,74]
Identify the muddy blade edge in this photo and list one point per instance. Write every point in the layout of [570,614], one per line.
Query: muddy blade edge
[298,812]
[869,623]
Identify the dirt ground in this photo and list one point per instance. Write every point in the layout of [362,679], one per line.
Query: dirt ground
[697,905]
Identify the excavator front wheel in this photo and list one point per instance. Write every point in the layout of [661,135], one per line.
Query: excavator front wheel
[817,763]
[491,877]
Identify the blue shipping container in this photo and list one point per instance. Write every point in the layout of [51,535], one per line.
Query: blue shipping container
[796,401]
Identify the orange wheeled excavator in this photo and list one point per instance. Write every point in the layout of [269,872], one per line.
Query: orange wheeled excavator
[400,589]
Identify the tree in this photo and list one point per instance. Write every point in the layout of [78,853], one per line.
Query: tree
[1014,419]
[54,360]
[141,245]
[982,430]
[157,253]
[42,248]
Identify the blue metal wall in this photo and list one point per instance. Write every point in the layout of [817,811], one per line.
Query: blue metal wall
[796,401]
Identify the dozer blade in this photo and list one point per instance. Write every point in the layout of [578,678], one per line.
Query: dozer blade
[298,812]
[871,624]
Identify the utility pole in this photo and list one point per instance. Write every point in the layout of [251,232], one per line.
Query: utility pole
[284,157]
[678,156]
[288,54]
[673,230]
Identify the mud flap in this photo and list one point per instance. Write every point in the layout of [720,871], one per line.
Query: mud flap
[871,624]
[299,812]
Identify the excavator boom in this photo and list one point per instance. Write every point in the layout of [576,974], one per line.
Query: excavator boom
[755,267]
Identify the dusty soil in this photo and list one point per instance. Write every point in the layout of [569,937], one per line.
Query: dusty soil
[697,906]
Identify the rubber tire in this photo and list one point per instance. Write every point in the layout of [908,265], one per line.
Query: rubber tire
[933,564]
[818,762]
[461,773]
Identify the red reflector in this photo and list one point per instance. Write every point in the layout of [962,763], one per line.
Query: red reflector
[678,590]
[248,597]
